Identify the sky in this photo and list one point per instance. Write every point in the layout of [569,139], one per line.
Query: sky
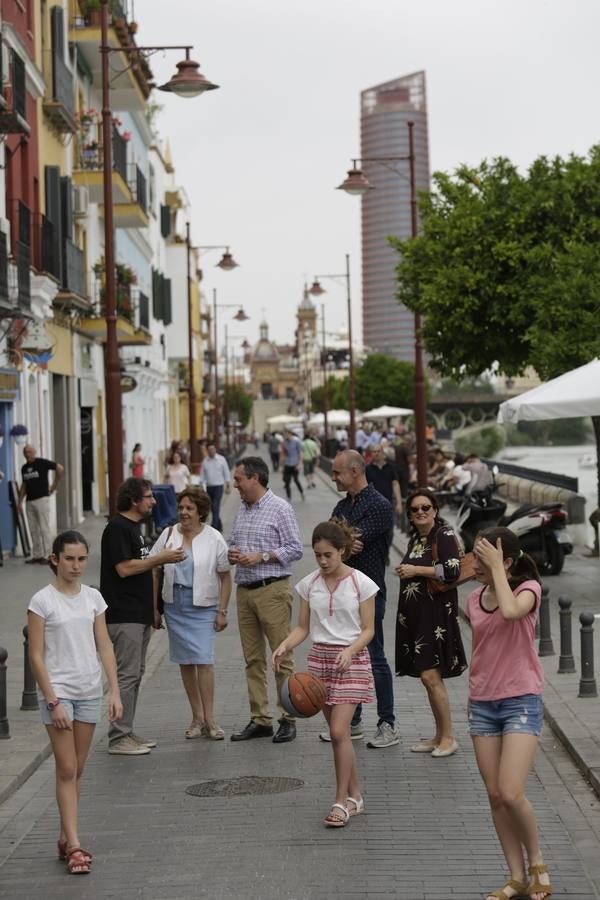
[260,157]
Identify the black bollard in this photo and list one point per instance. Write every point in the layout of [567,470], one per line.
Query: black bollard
[4,729]
[546,647]
[587,682]
[566,662]
[29,700]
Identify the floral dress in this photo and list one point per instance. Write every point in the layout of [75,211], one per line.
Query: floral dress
[427,629]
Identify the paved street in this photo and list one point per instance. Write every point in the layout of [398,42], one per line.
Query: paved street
[427,832]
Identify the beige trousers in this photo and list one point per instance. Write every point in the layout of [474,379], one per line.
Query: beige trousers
[264,613]
[38,518]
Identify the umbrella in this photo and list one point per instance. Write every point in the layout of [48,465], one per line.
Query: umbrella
[284,420]
[387,412]
[574,394]
[335,417]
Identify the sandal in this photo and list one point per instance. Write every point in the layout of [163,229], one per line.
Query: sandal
[78,861]
[517,886]
[359,806]
[195,730]
[211,730]
[337,819]
[62,851]
[536,886]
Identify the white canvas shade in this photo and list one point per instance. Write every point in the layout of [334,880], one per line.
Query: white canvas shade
[284,420]
[335,417]
[387,412]
[574,394]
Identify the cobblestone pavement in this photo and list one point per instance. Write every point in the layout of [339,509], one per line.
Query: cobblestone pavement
[427,832]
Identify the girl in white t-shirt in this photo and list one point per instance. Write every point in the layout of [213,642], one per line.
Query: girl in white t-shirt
[337,607]
[67,628]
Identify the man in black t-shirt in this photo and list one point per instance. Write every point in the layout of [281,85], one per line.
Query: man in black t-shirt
[126,585]
[36,488]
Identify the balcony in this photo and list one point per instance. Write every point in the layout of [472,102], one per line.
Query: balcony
[13,115]
[128,302]
[89,167]
[65,262]
[60,107]
[133,214]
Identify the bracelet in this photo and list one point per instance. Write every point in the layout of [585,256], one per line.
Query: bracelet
[223,611]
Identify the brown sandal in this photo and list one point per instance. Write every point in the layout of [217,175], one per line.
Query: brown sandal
[79,862]
[517,886]
[536,886]
[62,851]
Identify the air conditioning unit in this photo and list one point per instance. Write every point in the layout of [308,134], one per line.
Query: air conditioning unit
[81,201]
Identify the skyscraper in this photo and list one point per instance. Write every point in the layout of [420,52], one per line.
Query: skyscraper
[388,326]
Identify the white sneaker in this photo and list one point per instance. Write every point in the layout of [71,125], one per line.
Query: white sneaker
[385,736]
[127,746]
[141,740]
[356,734]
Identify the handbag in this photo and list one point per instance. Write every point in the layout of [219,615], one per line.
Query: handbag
[161,578]
[467,572]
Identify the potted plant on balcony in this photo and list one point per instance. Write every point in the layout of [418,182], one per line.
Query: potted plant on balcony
[89,155]
[91,12]
[19,434]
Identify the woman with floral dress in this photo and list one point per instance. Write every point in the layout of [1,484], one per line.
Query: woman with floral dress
[428,641]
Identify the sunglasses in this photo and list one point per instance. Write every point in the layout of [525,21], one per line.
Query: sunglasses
[424,508]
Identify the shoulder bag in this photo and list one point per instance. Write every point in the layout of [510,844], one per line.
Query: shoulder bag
[467,572]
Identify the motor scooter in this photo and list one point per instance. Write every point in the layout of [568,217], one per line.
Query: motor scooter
[479,510]
[543,534]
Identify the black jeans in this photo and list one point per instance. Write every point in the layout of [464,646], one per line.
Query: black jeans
[215,492]
[382,674]
[290,472]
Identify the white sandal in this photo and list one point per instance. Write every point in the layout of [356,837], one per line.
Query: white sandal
[334,820]
[359,806]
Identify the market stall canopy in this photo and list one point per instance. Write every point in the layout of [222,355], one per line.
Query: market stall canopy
[574,394]
[335,417]
[387,412]
[284,420]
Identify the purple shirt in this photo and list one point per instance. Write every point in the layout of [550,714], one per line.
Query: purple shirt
[269,524]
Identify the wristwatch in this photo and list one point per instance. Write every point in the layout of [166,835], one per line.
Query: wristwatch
[52,704]
[266,556]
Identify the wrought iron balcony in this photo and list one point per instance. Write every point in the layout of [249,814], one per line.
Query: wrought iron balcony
[60,107]
[13,119]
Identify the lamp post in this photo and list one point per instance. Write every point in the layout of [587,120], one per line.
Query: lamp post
[188,82]
[325,385]
[316,290]
[194,446]
[240,316]
[357,184]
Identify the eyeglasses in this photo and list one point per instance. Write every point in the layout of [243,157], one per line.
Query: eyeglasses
[424,508]
[147,496]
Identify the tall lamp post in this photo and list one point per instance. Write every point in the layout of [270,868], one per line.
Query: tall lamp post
[188,82]
[240,316]
[316,290]
[325,385]
[357,185]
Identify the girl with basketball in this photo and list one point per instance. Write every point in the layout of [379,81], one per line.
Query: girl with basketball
[66,628]
[337,608]
[505,701]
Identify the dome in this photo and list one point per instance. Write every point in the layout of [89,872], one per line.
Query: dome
[265,350]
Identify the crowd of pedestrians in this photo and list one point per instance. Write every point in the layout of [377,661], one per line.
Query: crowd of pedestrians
[185,578]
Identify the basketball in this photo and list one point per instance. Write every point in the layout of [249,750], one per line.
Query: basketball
[303,695]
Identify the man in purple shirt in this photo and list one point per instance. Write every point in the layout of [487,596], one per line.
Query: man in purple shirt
[264,542]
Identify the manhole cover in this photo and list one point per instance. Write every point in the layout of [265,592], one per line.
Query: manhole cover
[241,787]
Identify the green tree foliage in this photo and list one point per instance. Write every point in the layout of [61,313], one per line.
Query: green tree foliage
[507,267]
[380,380]
[486,442]
[238,401]
[550,432]
[337,395]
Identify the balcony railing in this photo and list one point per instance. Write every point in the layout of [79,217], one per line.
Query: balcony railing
[24,224]
[23,253]
[50,249]
[138,187]
[73,269]
[4,297]
[60,107]
[144,311]
[119,154]
[91,154]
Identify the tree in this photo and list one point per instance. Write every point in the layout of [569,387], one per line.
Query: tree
[382,380]
[238,401]
[337,395]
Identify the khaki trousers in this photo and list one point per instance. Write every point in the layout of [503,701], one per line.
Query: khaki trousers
[265,612]
[38,517]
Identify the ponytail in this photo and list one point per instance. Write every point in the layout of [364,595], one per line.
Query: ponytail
[523,568]
[338,533]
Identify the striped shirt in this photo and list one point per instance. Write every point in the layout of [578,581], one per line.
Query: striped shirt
[269,524]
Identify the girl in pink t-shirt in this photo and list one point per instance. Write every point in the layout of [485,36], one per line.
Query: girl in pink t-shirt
[505,700]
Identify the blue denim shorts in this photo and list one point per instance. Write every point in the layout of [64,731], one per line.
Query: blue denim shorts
[512,715]
[88,711]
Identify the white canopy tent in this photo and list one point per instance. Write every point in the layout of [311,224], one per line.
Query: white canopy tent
[335,417]
[386,412]
[574,394]
[284,419]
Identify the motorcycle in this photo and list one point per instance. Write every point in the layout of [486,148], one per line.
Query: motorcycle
[479,510]
[543,534]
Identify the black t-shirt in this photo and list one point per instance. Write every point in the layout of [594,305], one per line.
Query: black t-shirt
[35,478]
[128,599]
[382,479]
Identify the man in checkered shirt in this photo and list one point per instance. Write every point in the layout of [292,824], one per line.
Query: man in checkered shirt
[264,542]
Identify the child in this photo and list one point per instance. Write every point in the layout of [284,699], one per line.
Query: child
[505,700]
[338,607]
[66,626]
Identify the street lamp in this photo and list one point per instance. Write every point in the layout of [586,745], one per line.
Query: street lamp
[358,185]
[316,290]
[186,83]
[240,316]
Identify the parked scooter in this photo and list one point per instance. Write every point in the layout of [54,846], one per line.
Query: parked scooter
[478,510]
[543,534]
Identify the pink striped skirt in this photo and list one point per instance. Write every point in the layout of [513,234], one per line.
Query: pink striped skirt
[355,685]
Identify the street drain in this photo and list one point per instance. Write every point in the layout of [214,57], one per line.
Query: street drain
[242,787]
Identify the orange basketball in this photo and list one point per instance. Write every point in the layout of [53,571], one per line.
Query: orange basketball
[306,693]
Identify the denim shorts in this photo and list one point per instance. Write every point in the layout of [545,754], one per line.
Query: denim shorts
[88,711]
[512,715]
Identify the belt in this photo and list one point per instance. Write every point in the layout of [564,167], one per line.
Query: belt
[253,585]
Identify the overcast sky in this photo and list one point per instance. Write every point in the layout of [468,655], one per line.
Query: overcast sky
[260,157]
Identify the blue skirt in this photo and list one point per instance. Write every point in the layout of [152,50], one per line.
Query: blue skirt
[191,631]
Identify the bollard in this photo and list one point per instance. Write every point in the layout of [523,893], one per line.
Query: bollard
[29,700]
[4,729]
[587,682]
[566,662]
[546,647]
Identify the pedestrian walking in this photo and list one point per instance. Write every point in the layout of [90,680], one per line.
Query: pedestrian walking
[137,463]
[370,514]
[66,622]
[291,460]
[177,473]
[311,456]
[36,489]
[195,593]
[428,640]
[126,585]
[275,442]
[264,542]
[215,474]
[337,607]
[506,710]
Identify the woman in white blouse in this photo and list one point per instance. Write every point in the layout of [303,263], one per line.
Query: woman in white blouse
[177,473]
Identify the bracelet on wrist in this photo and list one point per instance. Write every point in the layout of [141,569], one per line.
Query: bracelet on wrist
[223,611]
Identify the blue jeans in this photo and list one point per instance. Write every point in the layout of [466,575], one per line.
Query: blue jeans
[215,492]
[382,674]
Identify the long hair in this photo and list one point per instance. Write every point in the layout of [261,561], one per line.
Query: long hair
[523,568]
[338,533]
[413,532]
